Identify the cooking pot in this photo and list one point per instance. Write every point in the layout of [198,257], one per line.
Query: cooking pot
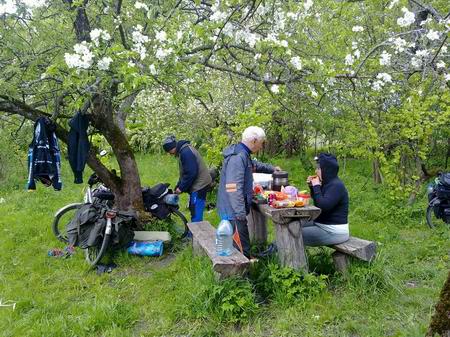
[280,178]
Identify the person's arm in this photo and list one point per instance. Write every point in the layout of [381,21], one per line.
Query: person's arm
[328,201]
[190,170]
[234,186]
[262,167]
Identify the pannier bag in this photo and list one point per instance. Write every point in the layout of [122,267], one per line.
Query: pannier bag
[88,227]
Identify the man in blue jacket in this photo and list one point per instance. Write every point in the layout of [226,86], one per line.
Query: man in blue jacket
[331,196]
[195,178]
[236,183]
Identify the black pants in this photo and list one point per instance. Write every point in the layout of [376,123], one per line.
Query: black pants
[244,236]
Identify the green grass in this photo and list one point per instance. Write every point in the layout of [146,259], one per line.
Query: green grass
[177,295]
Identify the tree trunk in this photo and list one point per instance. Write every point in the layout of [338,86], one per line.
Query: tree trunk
[376,172]
[440,322]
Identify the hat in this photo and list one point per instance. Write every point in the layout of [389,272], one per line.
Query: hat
[169,143]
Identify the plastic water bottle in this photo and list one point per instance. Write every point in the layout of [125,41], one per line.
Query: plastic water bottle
[224,238]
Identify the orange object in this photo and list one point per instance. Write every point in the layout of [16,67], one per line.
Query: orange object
[280,196]
[258,189]
[299,203]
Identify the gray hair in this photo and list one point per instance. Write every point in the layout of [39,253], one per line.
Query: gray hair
[252,133]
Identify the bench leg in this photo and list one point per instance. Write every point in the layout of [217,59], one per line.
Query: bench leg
[341,261]
[257,226]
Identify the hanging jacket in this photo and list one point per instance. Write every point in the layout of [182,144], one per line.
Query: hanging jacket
[44,158]
[332,196]
[78,145]
[236,182]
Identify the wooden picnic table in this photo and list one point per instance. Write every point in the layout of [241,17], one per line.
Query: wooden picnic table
[288,223]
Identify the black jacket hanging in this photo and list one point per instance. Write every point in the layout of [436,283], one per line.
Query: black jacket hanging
[78,145]
[44,158]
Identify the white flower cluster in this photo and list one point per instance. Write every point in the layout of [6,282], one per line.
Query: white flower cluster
[161,36]
[275,89]
[349,60]
[433,35]
[153,69]
[399,44]
[407,19]
[308,4]
[441,64]
[162,53]
[139,39]
[82,58]
[385,58]
[420,58]
[8,7]
[392,4]
[96,34]
[357,29]
[217,15]
[140,5]
[296,62]
[103,63]
[248,37]
[382,79]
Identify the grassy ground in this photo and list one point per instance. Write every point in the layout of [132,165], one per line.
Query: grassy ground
[176,295]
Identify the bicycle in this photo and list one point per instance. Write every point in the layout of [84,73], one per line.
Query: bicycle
[438,210]
[158,200]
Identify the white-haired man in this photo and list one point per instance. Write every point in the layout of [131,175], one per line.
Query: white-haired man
[236,183]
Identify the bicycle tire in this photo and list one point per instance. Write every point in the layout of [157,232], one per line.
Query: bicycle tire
[432,220]
[184,221]
[94,254]
[58,228]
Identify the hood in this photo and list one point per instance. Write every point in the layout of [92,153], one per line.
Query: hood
[180,144]
[234,149]
[329,166]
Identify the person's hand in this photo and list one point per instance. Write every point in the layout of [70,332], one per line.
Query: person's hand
[277,169]
[309,179]
[315,181]
[178,191]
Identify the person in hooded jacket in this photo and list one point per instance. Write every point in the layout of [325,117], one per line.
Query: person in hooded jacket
[195,178]
[330,195]
[236,183]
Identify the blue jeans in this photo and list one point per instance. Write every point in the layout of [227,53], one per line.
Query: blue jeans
[315,236]
[197,202]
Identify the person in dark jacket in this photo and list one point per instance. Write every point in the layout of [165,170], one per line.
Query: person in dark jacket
[78,145]
[331,196]
[194,175]
[236,183]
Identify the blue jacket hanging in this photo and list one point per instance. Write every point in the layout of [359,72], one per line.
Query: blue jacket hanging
[78,145]
[44,158]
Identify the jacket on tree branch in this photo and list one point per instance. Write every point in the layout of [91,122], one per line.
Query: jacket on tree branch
[44,158]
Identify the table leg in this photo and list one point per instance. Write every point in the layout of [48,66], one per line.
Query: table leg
[257,226]
[291,251]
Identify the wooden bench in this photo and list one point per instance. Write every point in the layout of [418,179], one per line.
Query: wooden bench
[204,243]
[354,247]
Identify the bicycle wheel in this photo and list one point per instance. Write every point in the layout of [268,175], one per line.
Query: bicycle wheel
[179,222]
[432,220]
[62,218]
[94,254]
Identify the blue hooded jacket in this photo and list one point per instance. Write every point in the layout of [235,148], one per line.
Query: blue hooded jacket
[236,182]
[332,196]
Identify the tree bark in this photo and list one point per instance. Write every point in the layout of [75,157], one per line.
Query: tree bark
[376,172]
[440,322]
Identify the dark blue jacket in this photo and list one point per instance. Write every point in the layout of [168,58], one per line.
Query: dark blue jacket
[44,158]
[332,196]
[189,166]
[236,182]
[78,145]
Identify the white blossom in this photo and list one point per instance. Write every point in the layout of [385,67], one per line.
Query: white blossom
[161,36]
[433,35]
[83,57]
[377,85]
[2,200]
[447,77]
[385,58]
[416,62]
[296,62]
[162,53]
[440,64]
[131,64]
[307,5]
[152,69]
[386,78]
[140,5]
[392,4]
[218,16]
[103,64]
[349,60]
[444,49]
[407,19]
[257,56]
[179,35]
[357,29]
[357,53]
[399,44]
[422,53]
[238,67]
[96,34]
[354,45]
[275,88]
[8,7]
[284,43]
